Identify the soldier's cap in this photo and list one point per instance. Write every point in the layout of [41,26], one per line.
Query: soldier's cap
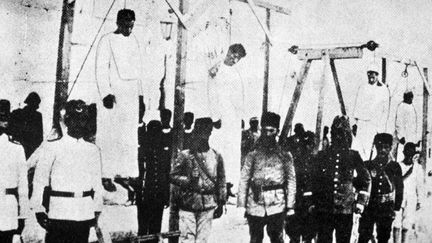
[33,98]
[383,138]
[270,119]
[203,122]
[4,109]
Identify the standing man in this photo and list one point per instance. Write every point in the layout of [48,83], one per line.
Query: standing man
[67,197]
[226,98]
[302,224]
[118,76]
[405,123]
[413,195]
[371,109]
[155,196]
[200,175]
[251,135]
[268,184]
[13,181]
[188,121]
[386,194]
[334,185]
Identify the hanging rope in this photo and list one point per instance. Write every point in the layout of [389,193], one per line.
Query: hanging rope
[91,47]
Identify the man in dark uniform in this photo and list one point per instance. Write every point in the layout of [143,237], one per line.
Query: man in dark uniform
[249,137]
[302,223]
[386,194]
[333,185]
[26,124]
[155,195]
[292,144]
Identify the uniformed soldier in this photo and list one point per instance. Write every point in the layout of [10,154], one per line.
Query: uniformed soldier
[333,185]
[199,172]
[67,197]
[14,206]
[267,184]
[302,223]
[155,195]
[293,143]
[386,194]
[249,137]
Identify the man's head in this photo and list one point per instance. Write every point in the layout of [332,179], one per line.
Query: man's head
[383,143]
[165,117]
[234,54]
[341,132]
[4,115]
[76,117]
[408,97]
[125,21]
[253,123]
[372,74]
[154,128]
[299,129]
[203,128]
[308,141]
[269,126]
[188,119]
[409,152]
[33,100]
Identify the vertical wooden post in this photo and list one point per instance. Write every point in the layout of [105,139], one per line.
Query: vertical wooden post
[63,60]
[384,70]
[338,88]
[424,151]
[294,101]
[180,80]
[321,97]
[266,65]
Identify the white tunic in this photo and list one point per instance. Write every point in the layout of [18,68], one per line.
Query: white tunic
[226,93]
[13,174]
[406,122]
[69,165]
[118,72]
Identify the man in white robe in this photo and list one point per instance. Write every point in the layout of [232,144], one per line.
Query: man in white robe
[118,76]
[226,98]
[405,123]
[370,112]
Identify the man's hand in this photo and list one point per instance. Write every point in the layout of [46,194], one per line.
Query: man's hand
[42,219]
[213,71]
[402,140]
[290,212]
[359,209]
[21,224]
[109,101]
[418,206]
[108,185]
[217,124]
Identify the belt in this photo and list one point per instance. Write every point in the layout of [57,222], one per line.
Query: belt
[383,198]
[12,191]
[71,194]
[272,187]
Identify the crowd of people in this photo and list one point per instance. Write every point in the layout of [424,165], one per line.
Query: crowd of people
[289,186]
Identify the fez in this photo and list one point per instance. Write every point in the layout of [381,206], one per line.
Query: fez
[383,138]
[270,119]
[341,127]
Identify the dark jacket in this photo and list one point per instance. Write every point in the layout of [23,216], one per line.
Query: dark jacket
[26,128]
[334,181]
[387,187]
[303,165]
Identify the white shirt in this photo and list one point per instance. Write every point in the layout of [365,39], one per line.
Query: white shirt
[413,184]
[13,174]
[406,122]
[69,165]
[372,104]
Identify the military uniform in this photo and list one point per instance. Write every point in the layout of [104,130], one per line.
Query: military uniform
[155,194]
[333,191]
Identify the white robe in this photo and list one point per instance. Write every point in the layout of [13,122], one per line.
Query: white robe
[118,72]
[405,126]
[226,94]
[371,112]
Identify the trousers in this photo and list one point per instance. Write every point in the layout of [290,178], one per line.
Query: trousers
[300,225]
[275,224]
[6,236]
[328,222]
[66,231]
[367,222]
[195,227]
[149,217]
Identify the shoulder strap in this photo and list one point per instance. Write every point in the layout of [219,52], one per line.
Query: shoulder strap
[408,173]
[203,168]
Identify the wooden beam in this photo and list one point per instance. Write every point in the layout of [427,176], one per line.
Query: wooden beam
[384,70]
[423,155]
[266,66]
[180,14]
[295,99]
[338,88]
[180,80]
[425,81]
[265,4]
[263,27]
[321,97]
[63,60]
[334,53]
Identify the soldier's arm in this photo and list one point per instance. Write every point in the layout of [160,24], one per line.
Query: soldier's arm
[291,182]
[24,207]
[399,186]
[179,175]
[244,180]
[221,180]
[42,177]
[363,181]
